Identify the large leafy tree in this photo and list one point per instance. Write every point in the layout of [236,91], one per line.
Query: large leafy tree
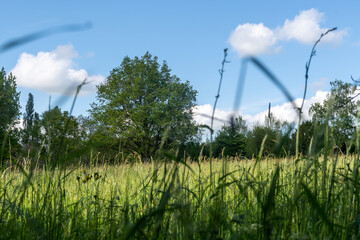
[339,110]
[61,132]
[9,101]
[9,111]
[142,106]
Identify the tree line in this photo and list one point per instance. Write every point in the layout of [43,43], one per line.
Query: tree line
[142,109]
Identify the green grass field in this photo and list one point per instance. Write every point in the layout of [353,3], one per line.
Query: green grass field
[269,199]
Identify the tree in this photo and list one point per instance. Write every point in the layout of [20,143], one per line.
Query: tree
[231,139]
[29,112]
[309,133]
[277,138]
[9,101]
[338,110]
[31,124]
[141,105]
[61,132]
[9,110]
[29,118]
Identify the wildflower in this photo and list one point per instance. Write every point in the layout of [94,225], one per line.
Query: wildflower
[97,176]
[86,178]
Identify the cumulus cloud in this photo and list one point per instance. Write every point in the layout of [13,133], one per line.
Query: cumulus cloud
[305,28]
[54,72]
[287,112]
[253,39]
[203,116]
[284,112]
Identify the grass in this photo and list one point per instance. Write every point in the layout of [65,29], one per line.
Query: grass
[274,199]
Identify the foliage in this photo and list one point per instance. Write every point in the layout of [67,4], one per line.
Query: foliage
[31,133]
[231,139]
[141,106]
[29,112]
[9,101]
[277,138]
[311,134]
[340,110]
[60,132]
[9,111]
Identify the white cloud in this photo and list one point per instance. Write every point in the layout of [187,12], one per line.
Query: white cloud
[54,72]
[287,112]
[305,28]
[203,116]
[284,112]
[253,39]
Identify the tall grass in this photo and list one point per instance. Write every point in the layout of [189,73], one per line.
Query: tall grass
[277,199]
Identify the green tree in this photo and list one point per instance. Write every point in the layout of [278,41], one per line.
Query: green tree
[309,133]
[141,105]
[88,127]
[9,101]
[29,117]
[9,111]
[61,132]
[29,112]
[31,132]
[231,139]
[278,141]
[339,111]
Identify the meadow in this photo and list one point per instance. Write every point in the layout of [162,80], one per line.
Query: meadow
[167,197]
[228,198]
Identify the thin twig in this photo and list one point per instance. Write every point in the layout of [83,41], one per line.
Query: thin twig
[221,71]
[307,67]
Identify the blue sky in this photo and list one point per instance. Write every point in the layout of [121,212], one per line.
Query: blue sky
[190,36]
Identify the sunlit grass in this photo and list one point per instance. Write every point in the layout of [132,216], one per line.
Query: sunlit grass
[277,198]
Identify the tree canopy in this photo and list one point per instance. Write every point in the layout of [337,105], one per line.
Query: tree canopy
[231,139]
[60,131]
[143,106]
[9,101]
[339,110]
[9,112]
[31,124]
